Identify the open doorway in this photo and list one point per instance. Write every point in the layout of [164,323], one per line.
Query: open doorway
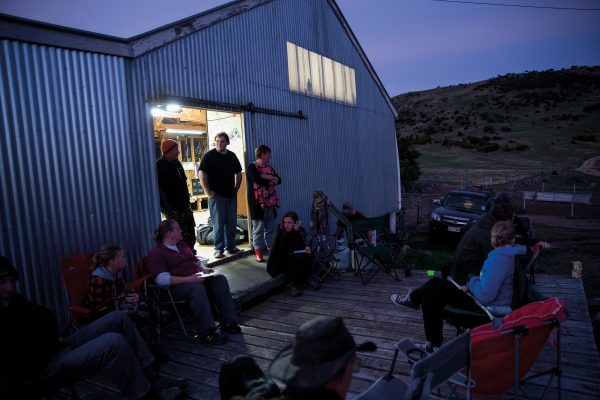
[194,129]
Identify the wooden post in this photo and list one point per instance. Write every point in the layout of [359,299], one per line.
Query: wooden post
[573,203]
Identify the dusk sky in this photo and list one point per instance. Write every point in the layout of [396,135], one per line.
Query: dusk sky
[413,44]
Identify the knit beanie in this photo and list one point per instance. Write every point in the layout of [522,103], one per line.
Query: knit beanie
[167,145]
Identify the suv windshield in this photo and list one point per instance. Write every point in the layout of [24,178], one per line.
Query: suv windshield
[464,202]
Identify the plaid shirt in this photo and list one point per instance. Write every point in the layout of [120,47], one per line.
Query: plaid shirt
[102,291]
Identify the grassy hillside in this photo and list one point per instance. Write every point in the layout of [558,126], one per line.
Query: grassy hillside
[512,124]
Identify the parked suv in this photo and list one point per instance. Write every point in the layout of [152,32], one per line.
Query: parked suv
[455,214]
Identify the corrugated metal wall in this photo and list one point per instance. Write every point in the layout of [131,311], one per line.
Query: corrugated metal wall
[68,172]
[77,151]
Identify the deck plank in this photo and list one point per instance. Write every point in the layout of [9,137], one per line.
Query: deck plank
[369,314]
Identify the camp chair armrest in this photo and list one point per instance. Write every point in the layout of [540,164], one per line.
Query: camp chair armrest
[80,309]
[459,311]
[134,284]
[410,351]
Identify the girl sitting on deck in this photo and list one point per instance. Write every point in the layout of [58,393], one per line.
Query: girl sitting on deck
[291,255]
[493,287]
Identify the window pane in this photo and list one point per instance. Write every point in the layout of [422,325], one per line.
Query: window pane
[340,81]
[303,69]
[328,80]
[315,88]
[292,67]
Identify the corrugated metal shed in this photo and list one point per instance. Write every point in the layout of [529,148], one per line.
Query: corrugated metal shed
[78,165]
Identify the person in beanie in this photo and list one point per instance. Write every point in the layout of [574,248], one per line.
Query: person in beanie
[319,364]
[35,360]
[173,191]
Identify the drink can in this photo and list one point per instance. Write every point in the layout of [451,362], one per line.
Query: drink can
[577,269]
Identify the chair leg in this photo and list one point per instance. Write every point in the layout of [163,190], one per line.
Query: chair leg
[177,313]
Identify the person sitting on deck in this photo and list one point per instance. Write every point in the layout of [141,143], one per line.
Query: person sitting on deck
[292,255]
[475,245]
[34,357]
[351,214]
[492,287]
[317,366]
[172,263]
[106,292]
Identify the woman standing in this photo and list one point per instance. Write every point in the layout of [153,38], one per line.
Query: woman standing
[263,200]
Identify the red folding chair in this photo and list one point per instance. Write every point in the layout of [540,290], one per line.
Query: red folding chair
[502,356]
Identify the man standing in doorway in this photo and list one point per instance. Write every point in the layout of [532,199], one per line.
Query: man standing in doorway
[173,189]
[221,177]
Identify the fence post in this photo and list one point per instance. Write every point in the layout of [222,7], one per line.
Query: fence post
[573,203]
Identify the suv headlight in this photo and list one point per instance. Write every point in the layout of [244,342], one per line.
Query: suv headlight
[436,217]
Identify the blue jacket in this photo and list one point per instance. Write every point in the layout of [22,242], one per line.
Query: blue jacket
[494,284]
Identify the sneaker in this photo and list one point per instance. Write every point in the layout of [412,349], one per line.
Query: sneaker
[218,254]
[231,327]
[404,300]
[233,251]
[292,290]
[212,339]
[427,347]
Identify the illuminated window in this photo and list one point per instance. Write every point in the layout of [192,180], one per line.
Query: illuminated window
[315,75]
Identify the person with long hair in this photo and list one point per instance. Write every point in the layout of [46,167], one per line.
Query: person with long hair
[292,255]
[493,287]
[172,263]
[106,291]
[263,200]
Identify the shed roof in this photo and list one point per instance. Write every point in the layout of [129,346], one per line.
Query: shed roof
[26,30]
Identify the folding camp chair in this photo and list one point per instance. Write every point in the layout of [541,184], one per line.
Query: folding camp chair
[523,294]
[371,258]
[502,356]
[427,374]
[323,249]
[163,297]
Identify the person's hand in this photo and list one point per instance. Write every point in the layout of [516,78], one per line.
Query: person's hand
[544,245]
[297,225]
[465,288]
[210,194]
[197,277]
[307,250]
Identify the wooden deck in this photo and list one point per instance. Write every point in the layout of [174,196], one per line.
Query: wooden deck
[369,314]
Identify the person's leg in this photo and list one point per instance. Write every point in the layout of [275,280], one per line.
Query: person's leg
[269,226]
[218,291]
[230,222]
[108,352]
[299,267]
[195,294]
[216,205]
[258,234]
[119,322]
[433,296]
[188,225]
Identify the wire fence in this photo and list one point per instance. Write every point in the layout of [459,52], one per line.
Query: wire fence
[417,201]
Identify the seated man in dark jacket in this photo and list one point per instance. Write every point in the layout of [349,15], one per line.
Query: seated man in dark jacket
[475,245]
[32,352]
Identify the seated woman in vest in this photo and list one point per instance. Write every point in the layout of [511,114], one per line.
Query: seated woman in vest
[492,287]
[172,263]
[291,255]
[106,291]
